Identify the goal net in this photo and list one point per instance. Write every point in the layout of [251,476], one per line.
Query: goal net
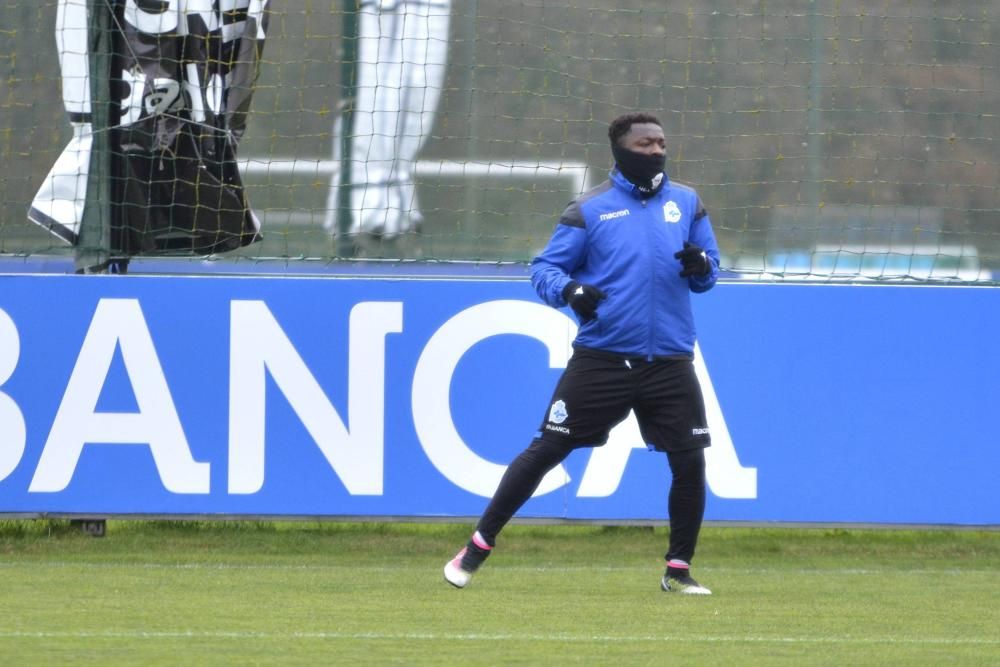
[828,140]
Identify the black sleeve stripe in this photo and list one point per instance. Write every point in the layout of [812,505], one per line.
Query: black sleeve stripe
[572,216]
[701,212]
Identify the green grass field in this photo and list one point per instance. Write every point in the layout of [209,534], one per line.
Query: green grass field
[305,593]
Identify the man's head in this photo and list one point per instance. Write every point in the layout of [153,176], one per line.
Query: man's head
[640,150]
[639,132]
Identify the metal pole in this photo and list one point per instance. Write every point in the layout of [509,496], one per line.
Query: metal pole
[93,246]
[472,190]
[348,92]
[814,120]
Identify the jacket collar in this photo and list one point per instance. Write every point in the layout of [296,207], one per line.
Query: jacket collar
[631,188]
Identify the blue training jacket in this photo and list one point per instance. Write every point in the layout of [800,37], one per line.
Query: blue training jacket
[613,239]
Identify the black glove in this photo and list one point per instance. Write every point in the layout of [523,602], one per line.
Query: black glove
[694,259]
[583,299]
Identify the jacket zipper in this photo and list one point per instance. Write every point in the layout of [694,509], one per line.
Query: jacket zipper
[652,281]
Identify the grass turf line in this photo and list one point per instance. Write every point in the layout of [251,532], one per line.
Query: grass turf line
[238,593]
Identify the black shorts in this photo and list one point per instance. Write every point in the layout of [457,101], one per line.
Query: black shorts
[598,389]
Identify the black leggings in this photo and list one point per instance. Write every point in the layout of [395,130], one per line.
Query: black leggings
[686,503]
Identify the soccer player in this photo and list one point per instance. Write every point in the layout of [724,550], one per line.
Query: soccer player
[625,257]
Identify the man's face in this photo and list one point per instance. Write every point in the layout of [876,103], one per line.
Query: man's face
[645,138]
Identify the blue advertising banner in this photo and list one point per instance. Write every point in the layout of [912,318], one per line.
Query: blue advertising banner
[333,396]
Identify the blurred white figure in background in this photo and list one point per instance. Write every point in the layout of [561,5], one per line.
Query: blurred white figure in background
[402,55]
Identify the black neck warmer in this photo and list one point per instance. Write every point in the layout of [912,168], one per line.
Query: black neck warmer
[642,170]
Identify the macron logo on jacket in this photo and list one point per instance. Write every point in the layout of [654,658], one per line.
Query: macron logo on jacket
[614,214]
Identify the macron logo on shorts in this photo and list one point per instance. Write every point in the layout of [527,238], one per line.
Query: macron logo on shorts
[699,431]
